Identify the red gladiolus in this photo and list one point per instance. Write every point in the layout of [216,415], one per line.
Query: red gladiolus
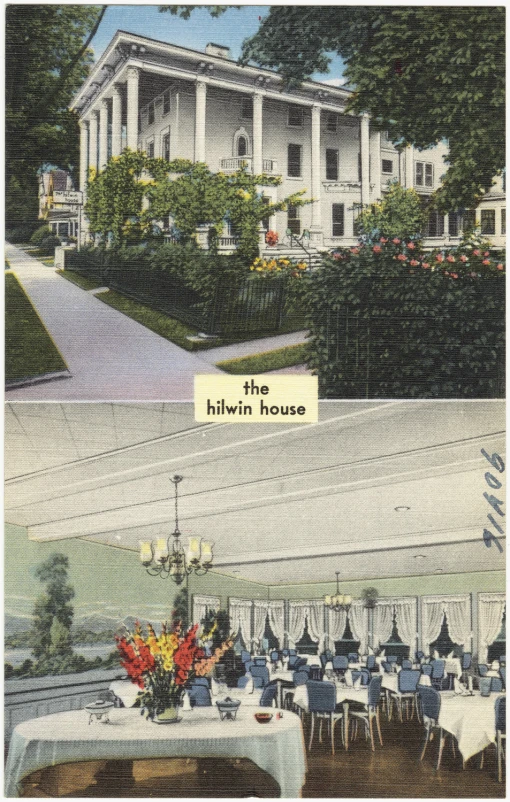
[411,246]
[450,259]
[486,262]
[377,249]
[499,267]
[463,258]
[395,241]
[439,257]
[402,258]
[476,253]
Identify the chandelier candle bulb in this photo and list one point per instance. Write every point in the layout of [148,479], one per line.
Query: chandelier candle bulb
[207,552]
[161,550]
[194,549]
[327,600]
[145,552]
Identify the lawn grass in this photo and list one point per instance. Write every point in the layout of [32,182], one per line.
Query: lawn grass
[81,281]
[286,357]
[29,349]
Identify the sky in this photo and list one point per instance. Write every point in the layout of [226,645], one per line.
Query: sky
[230,29]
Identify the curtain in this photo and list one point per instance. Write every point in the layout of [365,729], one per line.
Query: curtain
[316,622]
[382,623]
[358,620]
[336,626]
[259,622]
[458,612]
[432,619]
[490,618]
[201,605]
[297,616]
[276,620]
[240,618]
[405,612]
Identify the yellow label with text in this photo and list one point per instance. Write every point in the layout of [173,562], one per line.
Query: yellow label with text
[256,399]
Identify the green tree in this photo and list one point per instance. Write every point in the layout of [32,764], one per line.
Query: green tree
[399,214]
[53,615]
[424,74]
[47,59]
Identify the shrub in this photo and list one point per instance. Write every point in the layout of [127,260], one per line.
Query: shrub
[21,233]
[41,233]
[399,214]
[48,244]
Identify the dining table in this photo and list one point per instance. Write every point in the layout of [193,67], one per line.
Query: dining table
[471,719]
[276,747]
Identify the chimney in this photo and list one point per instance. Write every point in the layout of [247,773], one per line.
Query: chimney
[217,50]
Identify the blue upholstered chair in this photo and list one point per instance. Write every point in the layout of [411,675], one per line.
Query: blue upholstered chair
[482,669]
[245,656]
[364,673]
[437,674]
[353,657]
[391,658]
[502,672]
[260,676]
[340,663]
[242,682]
[199,696]
[322,705]
[386,666]
[427,669]
[419,656]
[259,661]
[406,663]
[371,662]
[430,705]
[274,657]
[467,659]
[371,711]
[300,677]
[496,684]
[407,688]
[269,694]
[500,709]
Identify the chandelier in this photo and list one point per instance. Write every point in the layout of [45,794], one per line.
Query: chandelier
[338,602]
[166,557]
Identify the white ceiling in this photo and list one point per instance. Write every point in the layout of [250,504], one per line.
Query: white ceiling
[281,502]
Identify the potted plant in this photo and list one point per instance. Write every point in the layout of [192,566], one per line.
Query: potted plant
[369,596]
[161,665]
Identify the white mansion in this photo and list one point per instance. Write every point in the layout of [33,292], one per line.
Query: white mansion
[174,102]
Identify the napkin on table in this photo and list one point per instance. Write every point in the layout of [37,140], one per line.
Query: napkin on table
[348,678]
[458,687]
[186,704]
[248,688]
[357,684]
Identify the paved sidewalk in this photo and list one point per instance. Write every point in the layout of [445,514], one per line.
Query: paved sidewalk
[110,356]
[214,355]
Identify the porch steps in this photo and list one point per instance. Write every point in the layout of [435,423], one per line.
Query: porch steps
[312,256]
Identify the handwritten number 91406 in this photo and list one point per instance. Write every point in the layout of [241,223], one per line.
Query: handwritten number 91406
[495,484]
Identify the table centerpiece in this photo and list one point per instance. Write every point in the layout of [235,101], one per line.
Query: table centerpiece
[161,665]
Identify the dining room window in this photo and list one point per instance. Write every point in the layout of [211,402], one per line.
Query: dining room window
[443,644]
[269,636]
[306,644]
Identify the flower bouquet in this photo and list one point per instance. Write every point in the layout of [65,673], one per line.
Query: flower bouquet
[161,665]
[271,238]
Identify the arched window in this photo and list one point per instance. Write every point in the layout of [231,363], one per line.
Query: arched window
[242,146]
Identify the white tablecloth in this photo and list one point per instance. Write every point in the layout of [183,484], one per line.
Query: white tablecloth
[277,747]
[453,666]
[471,719]
[390,681]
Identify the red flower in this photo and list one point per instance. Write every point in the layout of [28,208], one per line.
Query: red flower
[411,246]
[383,240]
[395,241]
[486,262]
[499,267]
[439,257]
[486,253]
[463,258]
[425,264]
[454,275]
[476,253]
[414,263]
[402,258]
[377,249]
[450,259]
[354,250]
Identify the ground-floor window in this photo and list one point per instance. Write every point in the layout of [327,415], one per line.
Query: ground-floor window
[435,225]
[488,221]
[503,221]
[166,147]
[293,221]
[338,219]
[468,219]
[454,224]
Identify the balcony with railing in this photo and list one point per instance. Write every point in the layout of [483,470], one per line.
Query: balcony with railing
[231,164]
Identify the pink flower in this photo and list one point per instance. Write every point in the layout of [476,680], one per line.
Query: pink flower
[450,259]
[454,275]
[383,239]
[499,267]
[425,264]
[337,256]
[402,258]
[439,257]
[414,263]
[486,253]
[411,246]
[486,262]
[354,250]
[476,253]
[396,241]
[463,258]
[377,249]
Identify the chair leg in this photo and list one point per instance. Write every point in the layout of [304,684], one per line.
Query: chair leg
[332,727]
[500,755]
[427,736]
[442,739]
[378,725]
[371,728]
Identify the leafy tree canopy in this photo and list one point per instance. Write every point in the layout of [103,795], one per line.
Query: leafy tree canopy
[53,615]
[46,61]
[423,73]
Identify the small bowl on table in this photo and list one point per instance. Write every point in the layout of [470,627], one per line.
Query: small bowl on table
[263,718]
[99,711]
[228,708]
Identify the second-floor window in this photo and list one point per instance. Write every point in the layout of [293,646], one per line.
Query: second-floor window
[488,221]
[423,174]
[294,161]
[242,146]
[387,166]
[166,101]
[331,165]
[331,122]
[295,116]
[247,108]
[150,114]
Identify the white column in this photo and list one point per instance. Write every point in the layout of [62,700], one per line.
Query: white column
[200,99]
[258,101]
[116,121]
[375,165]
[103,134]
[93,131]
[84,154]
[409,152]
[132,108]
[316,225]
[365,159]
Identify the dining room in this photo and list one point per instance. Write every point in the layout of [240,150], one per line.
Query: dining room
[313,610]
